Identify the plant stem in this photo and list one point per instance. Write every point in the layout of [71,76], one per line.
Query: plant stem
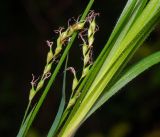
[26,112]
[116,58]
[43,96]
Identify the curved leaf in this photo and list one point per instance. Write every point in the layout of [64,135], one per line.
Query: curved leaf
[129,75]
[54,74]
[55,124]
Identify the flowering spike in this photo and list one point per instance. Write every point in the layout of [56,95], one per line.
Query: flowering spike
[91,32]
[85,71]
[86,58]
[71,103]
[75,83]
[32,91]
[47,68]
[40,85]
[84,49]
[32,94]
[50,53]
[78,26]
[47,75]
[49,56]
[75,80]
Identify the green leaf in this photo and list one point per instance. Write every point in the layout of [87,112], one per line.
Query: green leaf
[142,24]
[112,59]
[26,113]
[117,56]
[129,75]
[51,81]
[131,11]
[123,19]
[56,122]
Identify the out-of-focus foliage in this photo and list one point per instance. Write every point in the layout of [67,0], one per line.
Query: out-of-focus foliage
[154,133]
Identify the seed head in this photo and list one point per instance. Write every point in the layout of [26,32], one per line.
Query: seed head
[32,94]
[47,68]
[75,83]
[84,49]
[86,58]
[33,91]
[49,56]
[40,85]
[75,80]
[71,103]
[85,71]
[78,26]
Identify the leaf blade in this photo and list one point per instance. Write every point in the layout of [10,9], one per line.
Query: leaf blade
[56,122]
[43,96]
[133,72]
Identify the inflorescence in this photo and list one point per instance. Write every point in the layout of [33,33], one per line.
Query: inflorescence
[86,30]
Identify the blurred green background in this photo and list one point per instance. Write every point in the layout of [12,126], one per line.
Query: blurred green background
[25,25]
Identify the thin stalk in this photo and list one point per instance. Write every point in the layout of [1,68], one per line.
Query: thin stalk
[43,96]
[99,61]
[113,63]
[26,112]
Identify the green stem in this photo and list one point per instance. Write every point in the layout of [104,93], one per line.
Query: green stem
[115,60]
[26,112]
[43,96]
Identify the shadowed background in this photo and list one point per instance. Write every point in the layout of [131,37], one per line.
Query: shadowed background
[25,25]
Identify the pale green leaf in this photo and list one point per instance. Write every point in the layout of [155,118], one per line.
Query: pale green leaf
[56,122]
[129,75]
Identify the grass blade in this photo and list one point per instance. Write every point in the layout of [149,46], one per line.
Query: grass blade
[124,17]
[137,33]
[54,126]
[129,75]
[43,96]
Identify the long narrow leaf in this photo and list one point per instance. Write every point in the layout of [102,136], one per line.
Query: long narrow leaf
[129,75]
[147,19]
[43,96]
[135,32]
[123,19]
[116,59]
[54,126]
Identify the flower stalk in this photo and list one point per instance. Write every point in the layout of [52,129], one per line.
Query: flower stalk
[117,56]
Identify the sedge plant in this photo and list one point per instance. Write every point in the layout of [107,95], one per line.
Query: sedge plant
[100,79]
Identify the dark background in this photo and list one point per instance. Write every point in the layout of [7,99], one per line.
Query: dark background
[25,25]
